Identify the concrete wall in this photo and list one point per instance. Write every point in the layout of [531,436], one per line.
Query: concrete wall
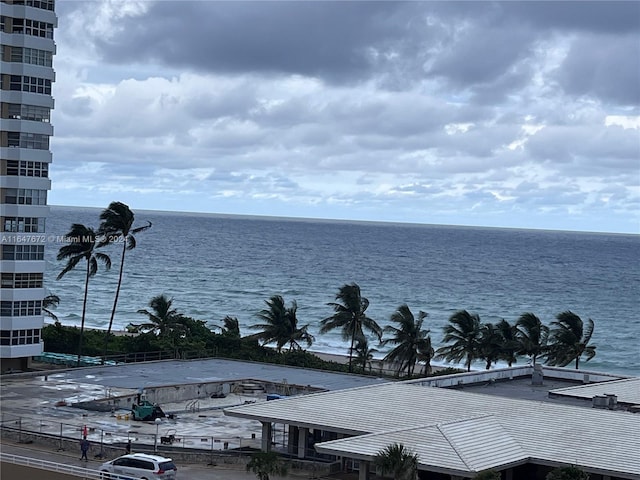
[192,391]
[499,374]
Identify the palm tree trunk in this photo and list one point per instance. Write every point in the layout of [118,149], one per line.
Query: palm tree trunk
[353,337]
[84,310]
[115,303]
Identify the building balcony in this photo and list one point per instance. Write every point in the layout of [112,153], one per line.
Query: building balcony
[17,323]
[33,13]
[8,210]
[36,183]
[30,154]
[18,351]
[26,98]
[26,126]
[17,68]
[16,294]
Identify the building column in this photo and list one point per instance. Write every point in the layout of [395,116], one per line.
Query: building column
[363,470]
[303,434]
[267,432]
[509,474]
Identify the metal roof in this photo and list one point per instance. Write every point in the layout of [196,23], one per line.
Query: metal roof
[470,431]
[627,390]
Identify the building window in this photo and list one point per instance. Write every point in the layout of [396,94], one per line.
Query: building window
[21,280]
[42,4]
[25,196]
[23,224]
[35,141]
[29,112]
[23,308]
[22,252]
[3,22]
[27,168]
[32,56]
[20,337]
[35,28]
[25,83]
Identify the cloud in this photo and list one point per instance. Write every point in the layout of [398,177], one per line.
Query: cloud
[496,113]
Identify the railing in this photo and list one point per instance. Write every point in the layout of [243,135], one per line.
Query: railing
[82,472]
[110,443]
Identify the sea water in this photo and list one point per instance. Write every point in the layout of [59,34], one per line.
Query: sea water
[216,265]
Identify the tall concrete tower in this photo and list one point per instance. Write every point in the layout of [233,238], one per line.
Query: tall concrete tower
[26,70]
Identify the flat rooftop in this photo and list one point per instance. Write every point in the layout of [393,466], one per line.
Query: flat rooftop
[44,398]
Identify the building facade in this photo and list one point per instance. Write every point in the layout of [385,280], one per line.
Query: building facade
[26,71]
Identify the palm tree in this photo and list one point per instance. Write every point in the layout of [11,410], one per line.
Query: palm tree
[230,327]
[281,325]
[409,338]
[364,354]
[49,302]
[532,335]
[567,473]
[264,464]
[117,225]
[510,343]
[426,353]
[398,460]
[488,475]
[463,332]
[569,340]
[350,316]
[163,320]
[490,344]
[82,246]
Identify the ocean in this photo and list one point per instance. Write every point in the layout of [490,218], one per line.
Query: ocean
[217,265]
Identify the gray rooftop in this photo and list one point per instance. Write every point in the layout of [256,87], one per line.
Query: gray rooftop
[627,390]
[515,430]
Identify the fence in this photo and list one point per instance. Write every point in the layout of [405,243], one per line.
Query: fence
[66,436]
[107,444]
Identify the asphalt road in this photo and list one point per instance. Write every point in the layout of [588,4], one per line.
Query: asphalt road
[185,472]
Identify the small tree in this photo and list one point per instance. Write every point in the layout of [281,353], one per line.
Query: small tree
[264,464]
[397,460]
[567,473]
[488,475]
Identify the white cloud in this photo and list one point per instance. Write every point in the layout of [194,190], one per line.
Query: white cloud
[424,112]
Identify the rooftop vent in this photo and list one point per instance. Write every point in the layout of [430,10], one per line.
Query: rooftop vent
[537,377]
[612,401]
[600,401]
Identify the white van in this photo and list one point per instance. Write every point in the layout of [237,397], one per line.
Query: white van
[140,466]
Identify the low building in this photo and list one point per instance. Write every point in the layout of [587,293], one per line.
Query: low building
[456,433]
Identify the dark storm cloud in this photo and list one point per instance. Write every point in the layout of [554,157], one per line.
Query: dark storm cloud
[600,16]
[485,47]
[605,65]
[327,39]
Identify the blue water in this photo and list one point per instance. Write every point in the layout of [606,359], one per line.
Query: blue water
[215,265]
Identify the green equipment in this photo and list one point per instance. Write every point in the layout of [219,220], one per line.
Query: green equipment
[145,410]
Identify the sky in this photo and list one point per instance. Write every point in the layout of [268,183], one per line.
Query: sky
[507,114]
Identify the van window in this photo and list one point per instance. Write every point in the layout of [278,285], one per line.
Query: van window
[164,466]
[142,464]
[122,462]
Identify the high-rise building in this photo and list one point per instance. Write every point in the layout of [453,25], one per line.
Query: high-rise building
[26,71]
